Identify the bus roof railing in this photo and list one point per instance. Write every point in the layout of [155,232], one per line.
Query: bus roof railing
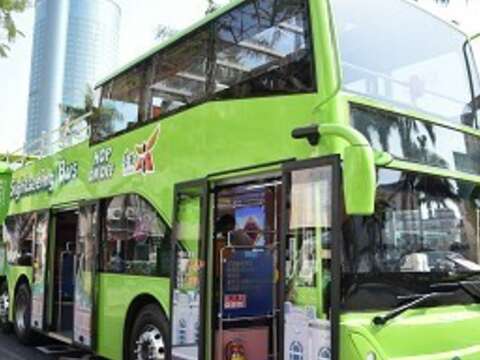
[70,133]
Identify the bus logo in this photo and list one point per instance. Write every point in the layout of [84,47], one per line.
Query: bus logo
[141,160]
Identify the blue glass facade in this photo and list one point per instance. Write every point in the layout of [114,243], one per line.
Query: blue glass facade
[75,43]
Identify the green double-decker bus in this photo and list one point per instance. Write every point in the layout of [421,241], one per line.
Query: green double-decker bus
[287,179]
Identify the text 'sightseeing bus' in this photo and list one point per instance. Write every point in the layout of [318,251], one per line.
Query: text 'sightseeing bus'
[287,179]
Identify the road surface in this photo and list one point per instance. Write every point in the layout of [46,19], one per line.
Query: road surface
[11,349]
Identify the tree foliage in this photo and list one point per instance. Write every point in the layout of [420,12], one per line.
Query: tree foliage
[163,32]
[212,6]
[8,29]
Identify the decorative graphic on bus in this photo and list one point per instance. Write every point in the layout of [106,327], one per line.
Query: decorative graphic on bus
[249,343]
[102,168]
[39,269]
[306,336]
[186,314]
[235,350]
[141,160]
[251,220]
[64,173]
[247,272]
[85,253]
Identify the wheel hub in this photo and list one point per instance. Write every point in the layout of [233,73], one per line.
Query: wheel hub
[150,344]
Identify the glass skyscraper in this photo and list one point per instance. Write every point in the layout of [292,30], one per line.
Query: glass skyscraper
[75,42]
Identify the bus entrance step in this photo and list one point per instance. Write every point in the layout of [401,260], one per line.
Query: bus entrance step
[57,349]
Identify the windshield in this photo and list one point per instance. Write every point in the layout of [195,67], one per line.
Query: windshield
[403,55]
[422,223]
[425,229]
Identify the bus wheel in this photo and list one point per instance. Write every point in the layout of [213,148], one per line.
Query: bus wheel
[21,315]
[149,339]
[5,326]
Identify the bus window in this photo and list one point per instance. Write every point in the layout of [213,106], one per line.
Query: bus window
[259,48]
[135,240]
[307,308]
[177,77]
[262,48]
[391,56]
[121,103]
[18,234]
[414,140]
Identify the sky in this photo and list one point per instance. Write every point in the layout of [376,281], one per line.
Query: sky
[140,18]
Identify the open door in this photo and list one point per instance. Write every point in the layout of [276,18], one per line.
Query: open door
[40,244]
[188,278]
[310,272]
[85,268]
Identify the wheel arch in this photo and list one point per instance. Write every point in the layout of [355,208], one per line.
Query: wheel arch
[134,308]
[22,279]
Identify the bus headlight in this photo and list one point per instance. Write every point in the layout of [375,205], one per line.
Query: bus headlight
[371,356]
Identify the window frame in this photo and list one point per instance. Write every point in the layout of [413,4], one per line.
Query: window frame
[210,27]
[103,230]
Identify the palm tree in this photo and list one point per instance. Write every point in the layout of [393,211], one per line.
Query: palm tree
[211,6]
[164,32]
[99,121]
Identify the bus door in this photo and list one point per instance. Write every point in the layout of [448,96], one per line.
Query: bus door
[39,255]
[188,276]
[85,267]
[310,272]
[245,262]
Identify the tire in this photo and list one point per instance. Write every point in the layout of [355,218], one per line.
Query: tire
[5,325]
[149,335]
[22,315]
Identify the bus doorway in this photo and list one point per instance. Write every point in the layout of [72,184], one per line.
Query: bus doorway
[245,256]
[66,226]
[74,275]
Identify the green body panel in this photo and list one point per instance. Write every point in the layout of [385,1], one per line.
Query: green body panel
[440,333]
[188,147]
[116,293]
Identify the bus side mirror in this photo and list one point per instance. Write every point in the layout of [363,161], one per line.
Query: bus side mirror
[5,184]
[359,180]
[359,175]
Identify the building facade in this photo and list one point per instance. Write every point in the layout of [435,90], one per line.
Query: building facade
[75,42]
